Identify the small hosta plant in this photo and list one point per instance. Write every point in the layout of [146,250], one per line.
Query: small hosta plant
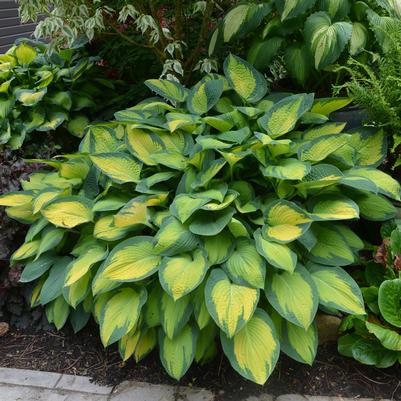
[41,90]
[216,215]
[375,339]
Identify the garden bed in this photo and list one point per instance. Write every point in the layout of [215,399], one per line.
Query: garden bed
[83,354]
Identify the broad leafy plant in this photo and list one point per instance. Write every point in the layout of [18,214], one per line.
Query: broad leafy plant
[41,89]
[215,214]
[309,35]
[375,339]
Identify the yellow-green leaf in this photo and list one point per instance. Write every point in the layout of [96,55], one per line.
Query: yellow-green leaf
[333,207]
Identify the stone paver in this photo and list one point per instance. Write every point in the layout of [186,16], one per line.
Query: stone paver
[33,378]
[27,385]
[82,384]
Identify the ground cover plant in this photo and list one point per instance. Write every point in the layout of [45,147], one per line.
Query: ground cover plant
[41,89]
[374,339]
[208,214]
[306,37]
[377,87]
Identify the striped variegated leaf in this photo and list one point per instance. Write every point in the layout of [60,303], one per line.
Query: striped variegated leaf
[333,207]
[218,247]
[337,289]
[75,293]
[245,266]
[298,343]
[170,90]
[370,146]
[293,8]
[287,169]
[203,97]
[327,105]
[230,305]
[293,295]
[331,248]
[119,166]
[285,222]
[249,83]
[26,250]
[201,313]
[147,342]
[132,260]
[106,230]
[79,267]
[386,185]
[277,255]
[174,314]
[20,198]
[120,313]
[57,312]
[359,38]
[128,343]
[99,139]
[68,211]
[179,275]
[173,238]
[142,144]
[327,39]
[282,117]
[254,350]
[177,354]
[374,207]
[184,205]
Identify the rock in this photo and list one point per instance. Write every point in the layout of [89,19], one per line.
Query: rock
[327,327]
[4,327]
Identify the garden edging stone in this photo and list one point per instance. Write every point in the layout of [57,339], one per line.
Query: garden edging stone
[17,384]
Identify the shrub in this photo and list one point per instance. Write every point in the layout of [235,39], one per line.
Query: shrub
[216,214]
[41,89]
[374,339]
[308,36]
[377,88]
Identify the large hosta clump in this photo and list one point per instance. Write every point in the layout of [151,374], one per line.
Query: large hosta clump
[214,217]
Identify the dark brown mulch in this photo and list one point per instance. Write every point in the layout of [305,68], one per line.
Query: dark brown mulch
[83,354]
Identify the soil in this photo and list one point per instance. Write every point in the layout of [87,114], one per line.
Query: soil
[83,354]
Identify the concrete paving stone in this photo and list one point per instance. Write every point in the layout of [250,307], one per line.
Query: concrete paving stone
[133,391]
[292,397]
[25,377]
[25,393]
[81,384]
[194,394]
[261,397]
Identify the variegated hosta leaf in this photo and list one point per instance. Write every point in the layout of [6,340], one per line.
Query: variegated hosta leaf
[245,266]
[142,144]
[230,305]
[203,97]
[277,255]
[180,275]
[323,129]
[99,139]
[120,313]
[16,198]
[299,343]
[106,230]
[319,148]
[254,350]
[287,169]
[184,205]
[337,289]
[69,211]
[147,342]
[327,105]
[282,117]
[170,90]
[218,247]
[332,248]
[293,295]
[206,348]
[262,52]
[208,223]
[30,97]
[359,38]
[173,238]
[333,207]
[120,167]
[132,260]
[298,62]
[77,292]
[177,354]
[327,39]
[37,268]
[293,8]
[201,313]
[385,183]
[57,312]
[174,314]
[285,222]
[80,266]
[374,207]
[25,54]
[249,83]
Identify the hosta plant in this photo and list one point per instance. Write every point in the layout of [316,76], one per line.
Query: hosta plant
[41,89]
[307,36]
[375,339]
[208,214]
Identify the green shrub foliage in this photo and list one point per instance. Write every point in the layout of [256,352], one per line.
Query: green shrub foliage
[213,216]
[374,339]
[41,90]
[309,36]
